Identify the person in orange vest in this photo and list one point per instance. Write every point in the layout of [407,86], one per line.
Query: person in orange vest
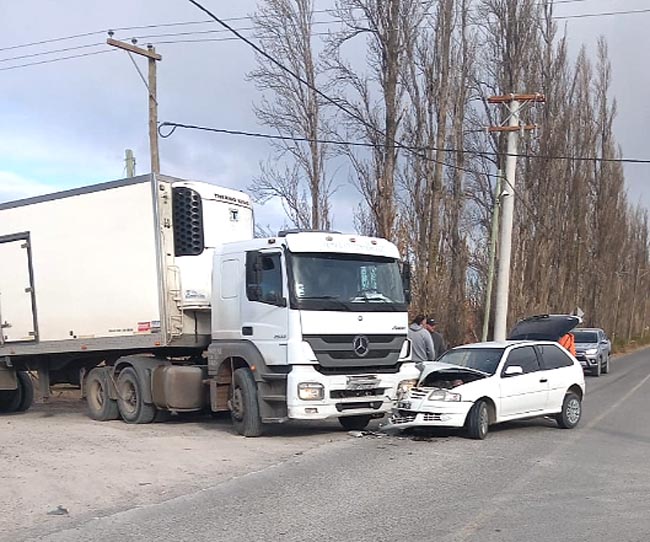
[569,342]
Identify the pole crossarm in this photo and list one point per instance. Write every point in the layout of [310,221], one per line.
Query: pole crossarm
[134,49]
[522,98]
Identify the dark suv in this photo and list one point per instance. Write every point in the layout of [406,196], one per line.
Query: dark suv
[592,350]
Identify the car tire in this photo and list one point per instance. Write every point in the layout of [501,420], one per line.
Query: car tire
[571,411]
[26,386]
[244,408]
[606,366]
[100,405]
[478,421]
[596,369]
[354,423]
[130,400]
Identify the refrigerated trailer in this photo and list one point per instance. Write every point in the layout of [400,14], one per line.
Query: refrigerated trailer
[152,294]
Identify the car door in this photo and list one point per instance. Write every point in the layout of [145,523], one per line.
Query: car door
[559,370]
[526,393]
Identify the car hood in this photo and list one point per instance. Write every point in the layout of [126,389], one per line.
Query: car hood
[586,346]
[543,327]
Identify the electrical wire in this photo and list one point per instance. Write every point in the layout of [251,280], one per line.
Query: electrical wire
[56,59]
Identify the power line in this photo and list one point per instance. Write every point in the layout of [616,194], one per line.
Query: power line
[52,52]
[602,14]
[325,141]
[56,60]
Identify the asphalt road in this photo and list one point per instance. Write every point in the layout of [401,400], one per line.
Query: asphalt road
[528,481]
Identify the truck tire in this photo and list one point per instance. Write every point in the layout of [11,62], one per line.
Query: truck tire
[478,421]
[354,423]
[100,406]
[26,391]
[130,403]
[244,409]
[10,399]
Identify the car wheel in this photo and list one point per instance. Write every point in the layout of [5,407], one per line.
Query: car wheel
[244,409]
[596,369]
[606,366]
[478,420]
[571,411]
[354,423]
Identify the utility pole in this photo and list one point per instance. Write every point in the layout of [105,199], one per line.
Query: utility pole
[492,257]
[153,57]
[514,103]
[129,159]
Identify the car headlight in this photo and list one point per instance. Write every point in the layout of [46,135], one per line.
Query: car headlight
[311,391]
[444,395]
[591,351]
[404,386]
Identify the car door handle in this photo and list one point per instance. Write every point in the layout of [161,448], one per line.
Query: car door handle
[543,380]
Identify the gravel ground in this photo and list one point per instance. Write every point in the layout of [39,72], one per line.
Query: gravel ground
[54,455]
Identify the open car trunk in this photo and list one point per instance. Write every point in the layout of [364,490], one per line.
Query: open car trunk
[544,327]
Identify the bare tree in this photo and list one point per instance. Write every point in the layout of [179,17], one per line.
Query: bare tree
[285,30]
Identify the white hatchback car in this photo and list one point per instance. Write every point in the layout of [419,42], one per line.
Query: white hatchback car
[474,386]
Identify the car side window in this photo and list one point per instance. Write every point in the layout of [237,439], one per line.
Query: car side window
[524,357]
[553,357]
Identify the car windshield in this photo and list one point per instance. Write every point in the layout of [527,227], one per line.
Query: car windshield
[590,337]
[351,282]
[485,360]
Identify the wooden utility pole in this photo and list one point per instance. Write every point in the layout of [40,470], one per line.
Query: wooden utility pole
[513,128]
[153,57]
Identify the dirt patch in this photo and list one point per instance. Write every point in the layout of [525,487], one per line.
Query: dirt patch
[55,456]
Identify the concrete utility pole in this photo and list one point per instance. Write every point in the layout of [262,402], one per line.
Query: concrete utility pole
[150,53]
[129,159]
[514,103]
[492,257]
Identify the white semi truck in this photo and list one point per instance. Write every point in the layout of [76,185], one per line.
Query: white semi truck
[152,295]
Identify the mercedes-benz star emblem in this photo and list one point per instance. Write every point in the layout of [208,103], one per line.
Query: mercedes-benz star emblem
[361,345]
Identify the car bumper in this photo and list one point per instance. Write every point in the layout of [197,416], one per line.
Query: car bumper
[440,415]
[339,396]
[587,362]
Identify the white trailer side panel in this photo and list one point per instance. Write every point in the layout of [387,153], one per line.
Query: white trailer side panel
[94,262]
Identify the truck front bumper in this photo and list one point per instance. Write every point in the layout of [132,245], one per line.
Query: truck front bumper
[345,395]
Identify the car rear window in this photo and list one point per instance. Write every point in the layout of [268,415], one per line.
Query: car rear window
[553,357]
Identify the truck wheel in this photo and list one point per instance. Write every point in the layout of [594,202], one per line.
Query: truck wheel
[100,406]
[130,404]
[478,421]
[354,423]
[244,410]
[10,399]
[26,391]
[571,411]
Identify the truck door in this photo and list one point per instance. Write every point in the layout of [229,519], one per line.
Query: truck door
[17,318]
[265,315]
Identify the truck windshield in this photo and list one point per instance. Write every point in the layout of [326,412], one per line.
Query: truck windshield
[350,282]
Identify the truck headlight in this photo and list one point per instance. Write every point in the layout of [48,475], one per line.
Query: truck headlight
[404,386]
[444,395]
[311,391]
[591,351]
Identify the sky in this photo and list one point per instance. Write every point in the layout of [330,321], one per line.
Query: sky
[67,124]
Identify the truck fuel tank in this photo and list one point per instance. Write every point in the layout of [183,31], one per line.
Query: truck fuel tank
[179,388]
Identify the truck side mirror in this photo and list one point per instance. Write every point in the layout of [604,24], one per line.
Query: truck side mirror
[406,281]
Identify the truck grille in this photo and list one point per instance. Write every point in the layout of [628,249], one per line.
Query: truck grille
[338,351]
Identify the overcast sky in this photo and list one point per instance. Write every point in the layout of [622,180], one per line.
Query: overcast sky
[67,124]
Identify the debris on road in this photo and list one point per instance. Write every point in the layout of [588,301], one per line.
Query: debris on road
[58,511]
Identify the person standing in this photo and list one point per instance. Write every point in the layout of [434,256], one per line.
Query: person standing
[422,348]
[439,343]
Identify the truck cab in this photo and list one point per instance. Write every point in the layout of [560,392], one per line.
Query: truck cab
[317,320]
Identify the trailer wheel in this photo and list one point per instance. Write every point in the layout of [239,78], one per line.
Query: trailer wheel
[130,404]
[100,405]
[244,410]
[26,391]
[10,399]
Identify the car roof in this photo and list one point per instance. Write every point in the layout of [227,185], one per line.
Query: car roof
[503,344]
[588,329]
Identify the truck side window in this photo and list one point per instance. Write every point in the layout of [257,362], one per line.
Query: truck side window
[264,278]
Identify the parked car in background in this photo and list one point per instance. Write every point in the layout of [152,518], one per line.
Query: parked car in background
[477,385]
[593,349]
